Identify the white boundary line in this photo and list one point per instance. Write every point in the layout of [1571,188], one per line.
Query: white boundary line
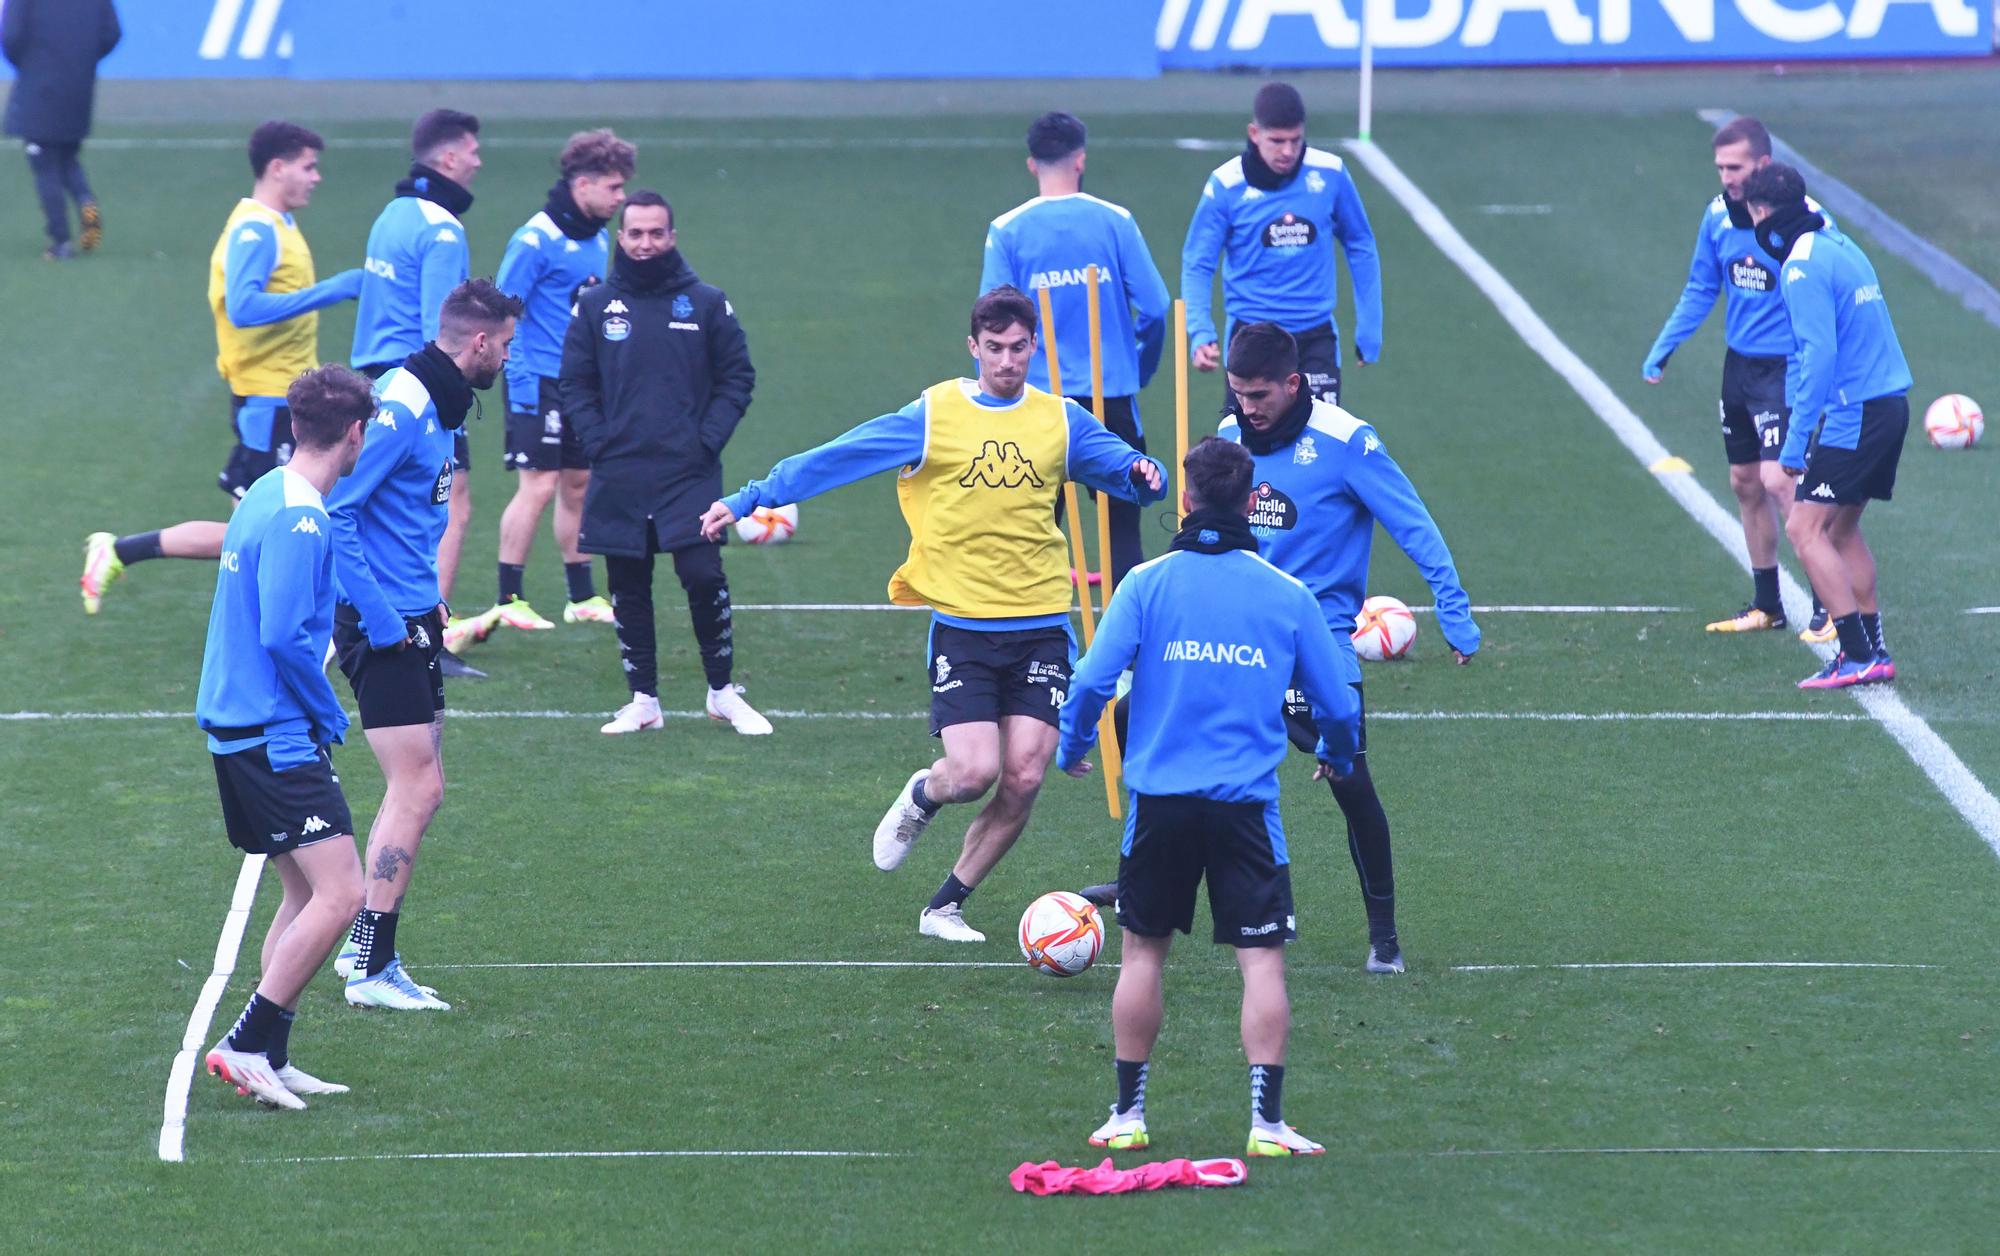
[1695,964]
[1715,1151]
[180,1078]
[1687,965]
[1938,761]
[1529,717]
[586,1155]
[1984,610]
[1453,1153]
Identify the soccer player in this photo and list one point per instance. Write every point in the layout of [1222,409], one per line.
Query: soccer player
[270,715]
[656,375]
[1849,389]
[1754,415]
[561,251]
[389,624]
[1050,242]
[1216,637]
[265,296]
[1268,212]
[981,462]
[54,47]
[417,252]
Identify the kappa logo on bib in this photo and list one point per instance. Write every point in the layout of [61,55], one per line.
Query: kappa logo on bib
[1000,465]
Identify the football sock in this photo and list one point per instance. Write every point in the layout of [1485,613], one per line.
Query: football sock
[1871,623]
[1267,1093]
[922,799]
[582,587]
[137,548]
[1854,642]
[951,894]
[1131,1085]
[378,942]
[1766,597]
[1368,846]
[708,605]
[253,1028]
[510,581]
[278,1047]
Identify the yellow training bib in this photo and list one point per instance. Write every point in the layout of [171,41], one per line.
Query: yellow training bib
[263,361]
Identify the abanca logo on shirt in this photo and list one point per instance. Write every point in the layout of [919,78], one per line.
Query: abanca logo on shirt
[1235,653]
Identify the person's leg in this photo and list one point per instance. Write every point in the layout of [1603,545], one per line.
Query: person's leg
[631,584]
[1267,1025]
[1845,536]
[1810,529]
[197,538]
[46,165]
[78,187]
[413,776]
[297,891]
[1137,1002]
[328,875]
[699,569]
[1753,506]
[580,585]
[973,762]
[532,494]
[1026,746]
[1121,415]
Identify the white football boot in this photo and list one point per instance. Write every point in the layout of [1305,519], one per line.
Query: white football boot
[1125,1131]
[948,923]
[727,704]
[1280,1140]
[300,1082]
[641,713]
[393,989]
[901,826]
[250,1072]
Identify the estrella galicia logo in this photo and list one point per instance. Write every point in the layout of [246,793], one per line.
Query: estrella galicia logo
[1747,274]
[441,490]
[1290,232]
[1000,465]
[683,308]
[616,329]
[1273,510]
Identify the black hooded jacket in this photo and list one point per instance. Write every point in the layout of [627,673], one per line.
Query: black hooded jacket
[55,46]
[655,376]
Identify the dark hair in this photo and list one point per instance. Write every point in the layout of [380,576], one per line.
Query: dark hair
[440,127]
[1218,473]
[597,152]
[1003,307]
[646,196]
[1776,185]
[1744,131]
[275,140]
[1278,106]
[325,402]
[1263,351]
[1054,136]
[475,306]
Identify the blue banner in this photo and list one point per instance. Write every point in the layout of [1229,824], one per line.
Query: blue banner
[1204,34]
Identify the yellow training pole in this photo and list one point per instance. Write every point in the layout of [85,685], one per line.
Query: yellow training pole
[1180,351]
[1107,728]
[1069,486]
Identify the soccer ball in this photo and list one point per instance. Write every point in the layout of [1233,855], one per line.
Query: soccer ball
[1954,422]
[769,525]
[1384,629]
[1061,934]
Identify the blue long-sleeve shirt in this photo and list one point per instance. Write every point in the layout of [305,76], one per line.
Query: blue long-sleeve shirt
[389,514]
[268,629]
[1277,264]
[416,255]
[1319,499]
[1845,350]
[1213,641]
[1050,242]
[545,269]
[1728,262]
[247,267]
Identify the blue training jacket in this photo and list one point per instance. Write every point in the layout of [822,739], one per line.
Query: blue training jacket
[389,515]
[545,269]
[1277,255]
[416,255]
[1728,261]
[1050,242]
[1319,499]
[1213,641]
[1845,350]
[268,629]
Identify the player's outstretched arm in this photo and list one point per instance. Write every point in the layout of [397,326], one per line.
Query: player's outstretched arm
[246,269]
[880,444]
[1095,677]
[1704,284]
[389,434]
[1364,267]
[1100,458]
[1392,499]
[288,595]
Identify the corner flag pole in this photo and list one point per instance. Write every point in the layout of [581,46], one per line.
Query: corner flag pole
[1107,725]
[1069,486]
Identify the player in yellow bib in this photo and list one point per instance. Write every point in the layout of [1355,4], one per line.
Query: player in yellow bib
[265,298]
[979,466]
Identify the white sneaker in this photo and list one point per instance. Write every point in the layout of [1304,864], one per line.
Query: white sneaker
[347,957]
[948,923]
[250,1072]
[393,989]
[1125,1131]
[642,712]
[300,1082]
[1280,1140]
[727,704]
[901,826]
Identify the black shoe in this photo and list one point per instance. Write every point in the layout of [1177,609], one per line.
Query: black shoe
[1385,956]
[452,665]
[1105,896]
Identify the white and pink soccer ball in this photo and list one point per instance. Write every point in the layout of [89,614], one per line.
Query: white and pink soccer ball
[1954,422]
[1384,629]
[1061,934]
[769,525]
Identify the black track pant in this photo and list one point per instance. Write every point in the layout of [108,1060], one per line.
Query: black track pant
[57,173]
[631,584]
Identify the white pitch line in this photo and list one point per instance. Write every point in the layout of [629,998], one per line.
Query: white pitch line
[1529,717]
[1937,760]
[1714,1151]
[754,963]
[1698,964]
[1984,610]
[180,1078]
[585,1155]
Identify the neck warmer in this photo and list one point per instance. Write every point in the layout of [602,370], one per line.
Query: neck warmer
[652,273]
[430,185]
[1261,176]
[1212,531]
[1284,431]
[1739,213]
[562,209]
[1777,234]
[450,393]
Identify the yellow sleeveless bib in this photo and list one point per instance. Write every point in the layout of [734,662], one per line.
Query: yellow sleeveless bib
[263,361]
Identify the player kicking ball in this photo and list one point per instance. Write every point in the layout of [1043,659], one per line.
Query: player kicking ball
[981,464]
[270,713]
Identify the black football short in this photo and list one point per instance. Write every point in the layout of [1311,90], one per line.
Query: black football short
[980,677]
[246,465]
[1173,841]
[393,688]
[1304,733]
[268,812]
[1850,477]
[539,438]
[1754,415]
[1319,364]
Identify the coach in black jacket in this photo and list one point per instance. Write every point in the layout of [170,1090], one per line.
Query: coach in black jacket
[55,46]
[655,376]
